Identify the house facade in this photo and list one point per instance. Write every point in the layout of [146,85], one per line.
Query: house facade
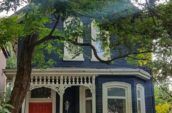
[82,84]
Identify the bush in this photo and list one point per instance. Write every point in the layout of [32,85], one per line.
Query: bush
[4,99]
[4,107]
[163,108]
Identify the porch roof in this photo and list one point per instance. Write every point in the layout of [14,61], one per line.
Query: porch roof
[10,73]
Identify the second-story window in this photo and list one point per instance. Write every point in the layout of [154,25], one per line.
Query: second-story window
[101,43]
[73,29]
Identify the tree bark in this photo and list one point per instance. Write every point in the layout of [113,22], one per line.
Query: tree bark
[23,74]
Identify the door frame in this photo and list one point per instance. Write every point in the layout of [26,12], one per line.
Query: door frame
[82,99]
[25,106]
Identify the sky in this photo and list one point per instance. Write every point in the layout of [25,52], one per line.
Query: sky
[6,14]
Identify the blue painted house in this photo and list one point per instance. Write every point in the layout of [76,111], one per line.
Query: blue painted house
[81,84]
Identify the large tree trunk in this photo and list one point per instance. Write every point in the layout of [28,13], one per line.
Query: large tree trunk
[23,74]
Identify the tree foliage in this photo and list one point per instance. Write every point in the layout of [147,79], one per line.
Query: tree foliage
[150,31]
[162,94]
[134,34]
[163,97]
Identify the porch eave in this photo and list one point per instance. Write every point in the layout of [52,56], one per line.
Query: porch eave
[84,71]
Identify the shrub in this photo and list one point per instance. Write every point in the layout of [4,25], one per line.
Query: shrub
[163,108]
[4,98]
[4,107]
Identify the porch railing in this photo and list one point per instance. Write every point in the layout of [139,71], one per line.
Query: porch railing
[62,79]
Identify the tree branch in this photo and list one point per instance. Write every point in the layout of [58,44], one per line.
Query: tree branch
[107,61]
[163,89]
[49,36]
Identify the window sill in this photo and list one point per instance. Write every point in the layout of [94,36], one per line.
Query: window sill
[75,59]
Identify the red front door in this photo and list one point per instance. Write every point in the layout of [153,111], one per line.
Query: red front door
[36,107]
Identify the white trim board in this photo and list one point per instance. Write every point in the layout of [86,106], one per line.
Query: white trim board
[84,71]
[83,99]
[140,87]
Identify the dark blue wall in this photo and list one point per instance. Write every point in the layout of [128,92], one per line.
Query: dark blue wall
[150,100]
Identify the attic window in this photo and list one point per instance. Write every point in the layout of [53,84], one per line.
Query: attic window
[73,52]
[101,45]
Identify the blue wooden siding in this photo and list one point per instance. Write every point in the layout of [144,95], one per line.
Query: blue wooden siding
[150,100]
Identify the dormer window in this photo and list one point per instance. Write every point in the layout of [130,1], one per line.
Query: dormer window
[101,45]
[71,51]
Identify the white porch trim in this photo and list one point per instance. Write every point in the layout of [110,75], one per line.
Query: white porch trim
[84,71]
[82,98]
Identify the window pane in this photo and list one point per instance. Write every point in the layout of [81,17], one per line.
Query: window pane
[88,93]
[88,106]
[101,44]
[72,26]
[116,92]
[41,93]
[116,106]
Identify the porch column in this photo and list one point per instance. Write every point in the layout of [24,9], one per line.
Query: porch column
[23,106]
[93,101]
[61,91]
[27,102]
[61,103]
[93,90]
